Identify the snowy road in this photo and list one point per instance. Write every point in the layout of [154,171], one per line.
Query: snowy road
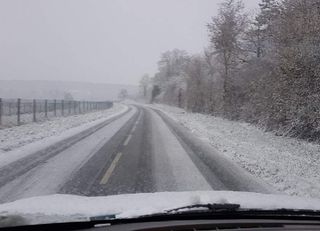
[141,150]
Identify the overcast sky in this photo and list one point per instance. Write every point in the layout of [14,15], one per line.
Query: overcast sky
[109,41]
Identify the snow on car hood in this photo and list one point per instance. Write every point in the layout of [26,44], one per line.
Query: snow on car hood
[66,208]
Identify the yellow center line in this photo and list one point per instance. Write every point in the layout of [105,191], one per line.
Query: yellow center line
[138,120]
[127,140]
[134,128]
[113,165]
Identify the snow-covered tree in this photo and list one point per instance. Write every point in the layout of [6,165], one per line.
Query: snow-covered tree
[123,94]
[265,71]
[144,83]
[226,33]
[171,76]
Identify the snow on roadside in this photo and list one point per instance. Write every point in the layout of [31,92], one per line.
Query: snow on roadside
[19,136]
[290,165]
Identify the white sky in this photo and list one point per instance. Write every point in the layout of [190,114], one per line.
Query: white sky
[110,41]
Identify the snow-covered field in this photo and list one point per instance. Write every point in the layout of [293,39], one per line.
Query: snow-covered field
[289,165]
[48,177]
[19,136]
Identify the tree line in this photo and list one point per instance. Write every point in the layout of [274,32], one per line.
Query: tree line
[262,69]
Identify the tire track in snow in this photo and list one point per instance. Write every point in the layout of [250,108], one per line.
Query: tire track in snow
[221,172]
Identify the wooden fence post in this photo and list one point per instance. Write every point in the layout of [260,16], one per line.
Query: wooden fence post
[46,108]
[1,111]
[55,107]
[18,111]
[69,107]
[62,107]
[34,111]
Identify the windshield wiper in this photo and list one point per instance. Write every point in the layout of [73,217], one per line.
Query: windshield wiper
[210,207]
[179,210]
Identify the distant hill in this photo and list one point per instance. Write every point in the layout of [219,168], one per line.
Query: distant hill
[58,89]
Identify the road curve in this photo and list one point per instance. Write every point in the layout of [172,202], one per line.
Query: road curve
[152,153]
[141,151]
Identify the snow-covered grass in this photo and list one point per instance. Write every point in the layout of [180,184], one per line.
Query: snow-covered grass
[291,166]
[19,136]
[49,176]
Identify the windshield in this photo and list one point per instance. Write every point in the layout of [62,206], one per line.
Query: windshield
[118,97]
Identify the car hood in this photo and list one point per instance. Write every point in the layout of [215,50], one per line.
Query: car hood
[70,208]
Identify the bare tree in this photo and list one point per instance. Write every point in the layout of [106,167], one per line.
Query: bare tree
[195,84]
[144,83]
[171,76]
[68,96]
[226,33]
[123,94]
[264,71]
[172,63]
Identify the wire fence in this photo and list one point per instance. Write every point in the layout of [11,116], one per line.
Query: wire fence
[15,112]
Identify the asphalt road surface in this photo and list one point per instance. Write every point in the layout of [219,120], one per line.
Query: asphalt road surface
[140,151]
